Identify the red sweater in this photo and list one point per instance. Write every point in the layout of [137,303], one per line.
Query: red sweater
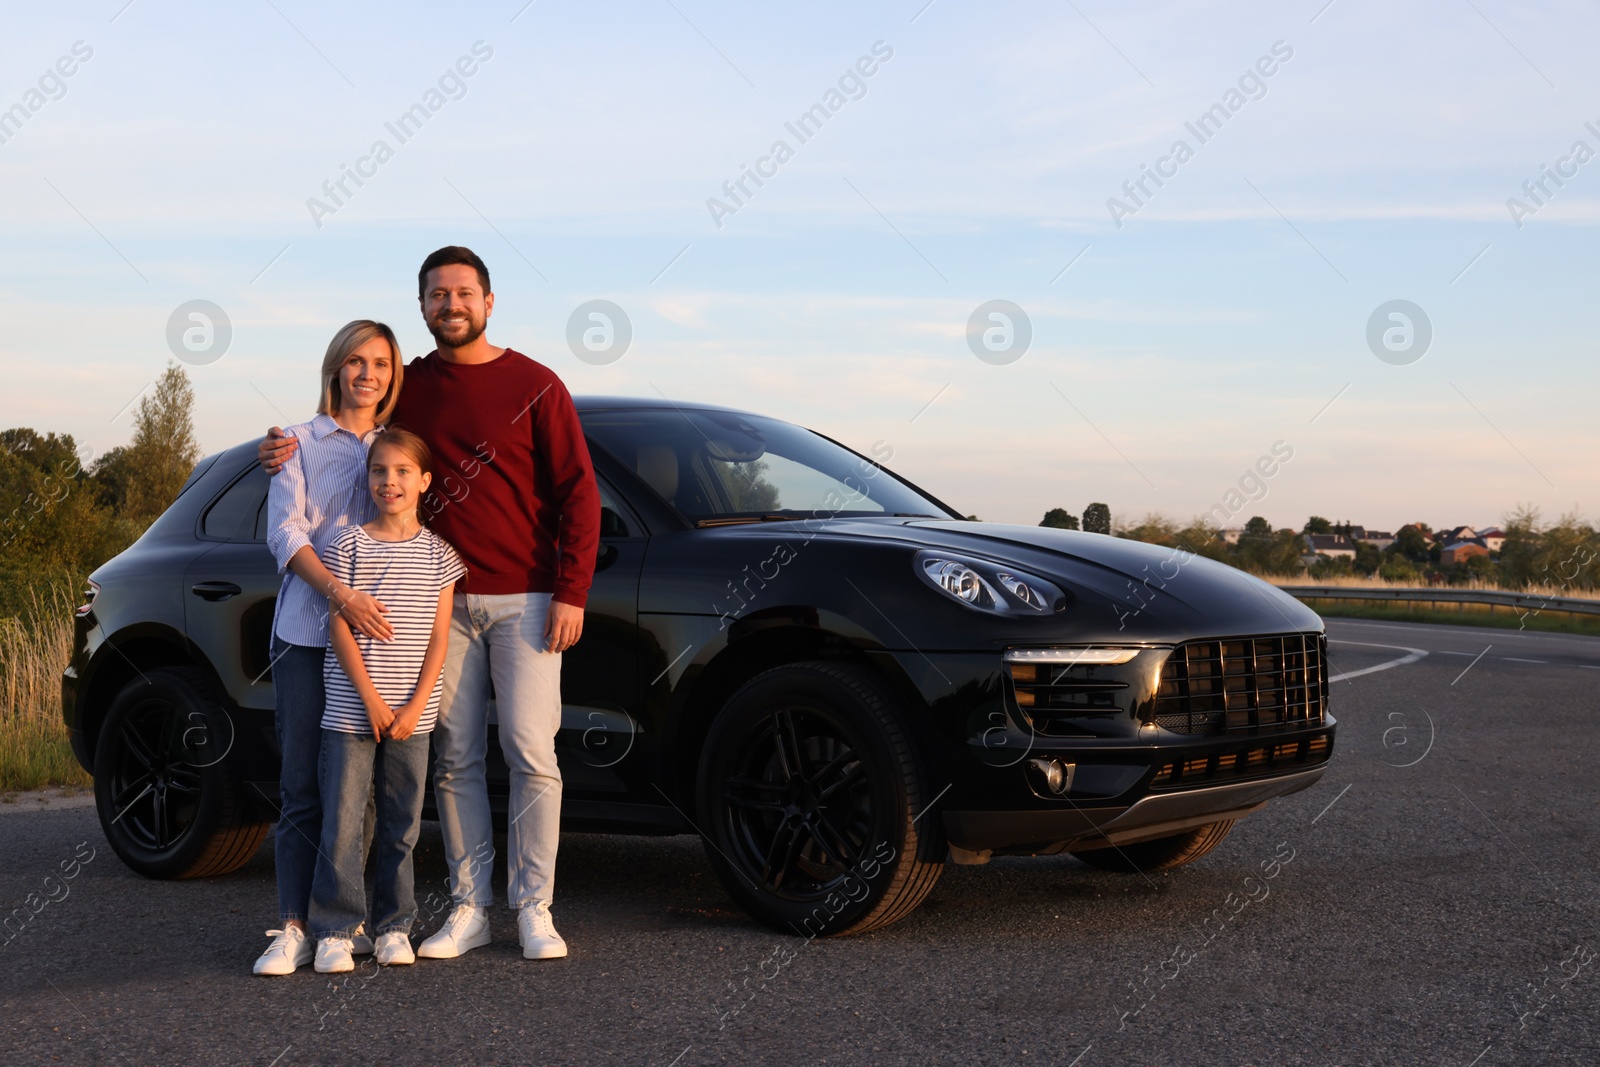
[513,487]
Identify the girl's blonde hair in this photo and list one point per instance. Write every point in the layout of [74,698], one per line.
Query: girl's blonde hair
[351,336]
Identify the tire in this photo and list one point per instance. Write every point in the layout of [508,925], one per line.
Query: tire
[840,847]
[1160,854]
[169,804]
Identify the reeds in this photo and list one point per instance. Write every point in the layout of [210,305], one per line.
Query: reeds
[34,649]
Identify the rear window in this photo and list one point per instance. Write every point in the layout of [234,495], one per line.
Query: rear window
[199,469]
[232,516]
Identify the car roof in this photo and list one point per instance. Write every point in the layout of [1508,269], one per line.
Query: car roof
[648,403]
[237,454]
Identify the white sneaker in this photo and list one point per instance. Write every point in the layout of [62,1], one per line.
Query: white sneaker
[333,956]
[467,928]
[290,949]
[536,932]
[360,943]
[394,948]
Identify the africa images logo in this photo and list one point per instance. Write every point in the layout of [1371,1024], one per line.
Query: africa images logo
[451,85]
[1252,85]
[51,85]
[852,84]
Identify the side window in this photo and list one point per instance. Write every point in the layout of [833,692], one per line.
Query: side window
[613,525]
[232,516]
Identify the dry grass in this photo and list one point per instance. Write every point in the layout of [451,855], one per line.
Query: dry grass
[34,650]
[1421,609]
[1374,582]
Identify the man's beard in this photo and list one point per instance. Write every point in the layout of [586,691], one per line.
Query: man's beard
[474,331]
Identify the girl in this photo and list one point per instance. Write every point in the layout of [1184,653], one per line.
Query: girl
[382,700]
[320,491]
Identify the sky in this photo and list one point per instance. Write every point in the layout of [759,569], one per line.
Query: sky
[1356,154]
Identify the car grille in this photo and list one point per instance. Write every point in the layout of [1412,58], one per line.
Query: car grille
[1245,683]
[1243,761]
[1058,700]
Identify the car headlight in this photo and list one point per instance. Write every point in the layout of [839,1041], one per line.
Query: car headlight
[988,586]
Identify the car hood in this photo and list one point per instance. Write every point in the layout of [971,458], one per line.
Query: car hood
[1144,591]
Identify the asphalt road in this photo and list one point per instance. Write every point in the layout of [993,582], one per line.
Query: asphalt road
[1440,907]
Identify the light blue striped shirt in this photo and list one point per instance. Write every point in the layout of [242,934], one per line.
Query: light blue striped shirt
[318,492]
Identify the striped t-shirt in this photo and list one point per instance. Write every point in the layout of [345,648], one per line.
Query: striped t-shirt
[407,577]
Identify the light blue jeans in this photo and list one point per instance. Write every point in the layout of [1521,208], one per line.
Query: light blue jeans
[499,637]
[349,767]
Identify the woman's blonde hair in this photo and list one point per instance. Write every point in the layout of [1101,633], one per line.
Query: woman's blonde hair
[351,336]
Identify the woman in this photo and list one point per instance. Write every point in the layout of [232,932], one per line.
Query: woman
[320,490]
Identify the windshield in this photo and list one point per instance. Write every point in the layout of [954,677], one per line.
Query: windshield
[717,467]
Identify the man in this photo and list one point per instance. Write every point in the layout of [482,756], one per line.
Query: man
[514,493]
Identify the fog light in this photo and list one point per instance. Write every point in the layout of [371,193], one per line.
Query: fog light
[1055,774]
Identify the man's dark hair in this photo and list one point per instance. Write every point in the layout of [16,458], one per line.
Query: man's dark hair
[444,257]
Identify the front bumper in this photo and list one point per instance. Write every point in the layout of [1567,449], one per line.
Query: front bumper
[1136,772]
[1077,826]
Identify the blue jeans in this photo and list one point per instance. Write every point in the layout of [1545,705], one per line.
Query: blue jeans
[351,765]
[499,637]
[297,689]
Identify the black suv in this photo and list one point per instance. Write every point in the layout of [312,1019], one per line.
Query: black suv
[824,671]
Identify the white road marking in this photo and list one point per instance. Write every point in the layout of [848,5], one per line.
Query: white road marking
[1447,652]
[1587,667]
[1414,654]
[1514,659]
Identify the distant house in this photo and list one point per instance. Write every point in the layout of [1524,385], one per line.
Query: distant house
[1493,538]
[1330,545]
[1231,534]
[1380,539]
[1461,551]
[1459,533]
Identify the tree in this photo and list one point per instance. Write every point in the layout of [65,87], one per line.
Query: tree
[1274,553]
[1316,524]
[1257,527]
[1097,518]
[143,478]
[1477,569]
[1564,554]
[38,478]
[53,530]
[747,485]
[1400,571]
[1155,529]
[1060,519]
[1332,567]
[1198,538]
[1410,543]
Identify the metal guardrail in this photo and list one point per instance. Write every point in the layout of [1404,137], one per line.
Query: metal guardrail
[1529,602]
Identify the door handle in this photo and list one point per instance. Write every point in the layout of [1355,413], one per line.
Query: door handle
[215,591]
